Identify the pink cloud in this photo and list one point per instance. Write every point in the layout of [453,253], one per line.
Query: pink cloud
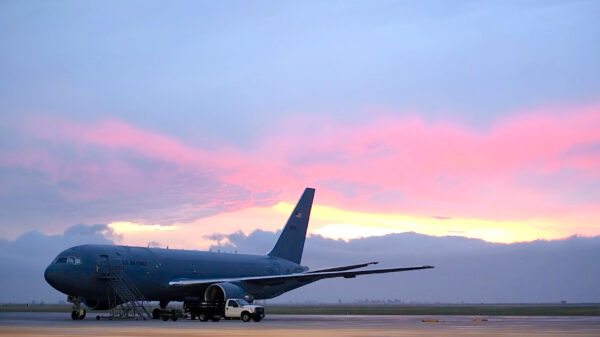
[439,166]
[534,164]
[117,135]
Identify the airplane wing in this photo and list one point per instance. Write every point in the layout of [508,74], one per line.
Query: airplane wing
[302,277]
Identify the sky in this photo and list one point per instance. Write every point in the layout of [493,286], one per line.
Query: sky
[168,122]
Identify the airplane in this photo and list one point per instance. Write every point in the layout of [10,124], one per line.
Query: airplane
[166,275]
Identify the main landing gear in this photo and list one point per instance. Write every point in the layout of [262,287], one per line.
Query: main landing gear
[78,312]
[166,314]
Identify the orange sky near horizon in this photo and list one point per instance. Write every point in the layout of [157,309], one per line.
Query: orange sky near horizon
[337,223]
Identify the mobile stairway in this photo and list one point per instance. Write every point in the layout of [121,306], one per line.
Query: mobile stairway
[124,298]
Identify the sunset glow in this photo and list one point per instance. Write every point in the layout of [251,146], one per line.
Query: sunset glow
[524,179]
[130,227]
[343,224]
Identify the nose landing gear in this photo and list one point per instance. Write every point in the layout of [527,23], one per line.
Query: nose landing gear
[78,312]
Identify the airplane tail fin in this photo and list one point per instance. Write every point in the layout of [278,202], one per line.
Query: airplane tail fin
[290,244]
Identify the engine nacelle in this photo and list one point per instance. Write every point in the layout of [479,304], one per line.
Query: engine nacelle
[96,304]
[225,290]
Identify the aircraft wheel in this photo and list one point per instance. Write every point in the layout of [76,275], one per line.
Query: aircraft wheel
[81,313]
[156,313]
[174,318]
[245,316]
[165,318]
[74,315]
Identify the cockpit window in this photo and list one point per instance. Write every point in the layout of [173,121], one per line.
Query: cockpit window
[68,259]
[73,260]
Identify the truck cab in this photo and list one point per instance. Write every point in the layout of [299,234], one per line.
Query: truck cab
[240,308]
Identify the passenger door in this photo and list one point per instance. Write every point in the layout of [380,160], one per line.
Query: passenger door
[103,266]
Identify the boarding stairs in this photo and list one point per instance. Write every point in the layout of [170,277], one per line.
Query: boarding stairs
[124,298]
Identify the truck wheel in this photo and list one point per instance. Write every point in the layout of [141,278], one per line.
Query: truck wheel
[257,318]
[245,316]
[202,317]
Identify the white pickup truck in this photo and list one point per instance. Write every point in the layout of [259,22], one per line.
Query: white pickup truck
[215,310]
[239,308]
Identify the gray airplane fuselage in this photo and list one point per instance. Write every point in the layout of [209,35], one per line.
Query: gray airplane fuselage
[151,269]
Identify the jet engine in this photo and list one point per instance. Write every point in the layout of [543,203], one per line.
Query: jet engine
[96,304]
[225,290]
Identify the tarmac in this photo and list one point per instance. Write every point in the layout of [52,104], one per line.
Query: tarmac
[60,324]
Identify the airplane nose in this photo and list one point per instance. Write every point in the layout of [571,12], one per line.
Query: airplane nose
[51,276]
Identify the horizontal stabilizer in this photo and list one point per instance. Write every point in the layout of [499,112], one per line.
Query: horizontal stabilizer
[354,266]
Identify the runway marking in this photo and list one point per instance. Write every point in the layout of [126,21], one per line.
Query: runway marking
[58,324]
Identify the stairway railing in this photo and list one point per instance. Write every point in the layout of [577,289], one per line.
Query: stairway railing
[125,299]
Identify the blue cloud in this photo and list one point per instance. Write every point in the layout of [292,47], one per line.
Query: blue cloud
[24,260]
[467,270]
